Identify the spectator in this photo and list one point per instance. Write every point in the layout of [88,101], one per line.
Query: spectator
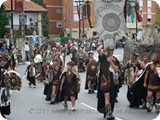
[26,49]
[69,47]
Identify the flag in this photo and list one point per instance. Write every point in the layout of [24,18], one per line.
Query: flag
[132,14]
[90,14]
[138,16]
[18,5]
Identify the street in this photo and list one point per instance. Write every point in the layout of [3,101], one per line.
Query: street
[30,104]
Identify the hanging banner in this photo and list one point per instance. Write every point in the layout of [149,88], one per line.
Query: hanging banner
[18,5]
[109,18]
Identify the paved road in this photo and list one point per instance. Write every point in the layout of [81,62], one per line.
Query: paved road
[30,104]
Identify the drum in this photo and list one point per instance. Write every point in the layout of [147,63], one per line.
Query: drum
[13,80]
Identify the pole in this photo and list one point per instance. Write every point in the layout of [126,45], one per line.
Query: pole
[22,21]
[83,23]
[71,18]
[79,19]
[136,29]
[12,40]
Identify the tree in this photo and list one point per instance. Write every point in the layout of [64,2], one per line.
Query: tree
[158,16]
[45,20]
[4,20]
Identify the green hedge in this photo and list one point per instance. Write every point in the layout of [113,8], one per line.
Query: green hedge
[64,40]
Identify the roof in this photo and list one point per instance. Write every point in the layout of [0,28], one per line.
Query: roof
[29,7]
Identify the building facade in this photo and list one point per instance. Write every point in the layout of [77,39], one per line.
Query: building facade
[59,18]
[32,16]
[55,15]
[149,9]
[78,28]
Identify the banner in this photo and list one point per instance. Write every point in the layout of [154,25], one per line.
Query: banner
[18,5]
[78,11]
[110,21]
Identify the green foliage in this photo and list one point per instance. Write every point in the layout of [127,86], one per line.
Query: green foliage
[16,34]
[61,34]
[158,22]
[158,16]
[64,40]
[4,20]
[45,20]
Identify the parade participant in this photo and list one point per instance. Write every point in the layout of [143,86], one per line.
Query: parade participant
[153,76]
[13,54]
[5,96]
[55,82]
[31,74]
[137,91]
[74,57]
[129,72]
[68,86]
[58,60]
[130,69]
[9,81]
[38,60]
[75,71]
[81,60]
[91,74]
[47,82]
[106,88]
[36,50]
[64,53]
[87,48]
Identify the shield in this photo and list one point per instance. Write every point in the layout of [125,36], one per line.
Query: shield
[92,67]
[13,80]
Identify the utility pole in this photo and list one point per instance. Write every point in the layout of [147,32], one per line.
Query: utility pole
[79,4]
[71,17]
[12,40]
[22,21]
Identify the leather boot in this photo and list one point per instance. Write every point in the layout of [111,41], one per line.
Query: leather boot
[53,99]
[157,106]
[107,110]
[149,104]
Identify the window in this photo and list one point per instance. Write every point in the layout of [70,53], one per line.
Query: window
[149,16]
[59,24]
[149,10]
[58,10]
[149,3]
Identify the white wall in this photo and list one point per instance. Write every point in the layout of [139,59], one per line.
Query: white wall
[29,15]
